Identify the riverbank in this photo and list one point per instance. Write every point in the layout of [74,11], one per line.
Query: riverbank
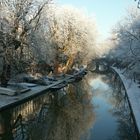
[133,93]
[10,98]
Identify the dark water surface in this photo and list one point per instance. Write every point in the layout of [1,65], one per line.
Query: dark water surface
[95,108]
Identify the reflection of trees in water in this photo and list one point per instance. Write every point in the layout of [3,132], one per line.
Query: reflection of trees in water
[15,123]
[65,118]
[5,126]
[71,117]
[116,96]
[126,128]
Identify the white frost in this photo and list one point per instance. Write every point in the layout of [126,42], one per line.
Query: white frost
[133,92]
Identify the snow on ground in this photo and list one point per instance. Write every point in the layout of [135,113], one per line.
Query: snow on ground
[133,92]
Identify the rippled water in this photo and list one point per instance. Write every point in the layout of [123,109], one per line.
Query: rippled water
[93,109]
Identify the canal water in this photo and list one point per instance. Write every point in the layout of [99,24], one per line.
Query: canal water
[95,108]
[114,120]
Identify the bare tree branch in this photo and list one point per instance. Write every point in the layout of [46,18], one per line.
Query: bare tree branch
[131,42]
[134,36]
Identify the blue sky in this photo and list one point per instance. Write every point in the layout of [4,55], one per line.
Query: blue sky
[106,12]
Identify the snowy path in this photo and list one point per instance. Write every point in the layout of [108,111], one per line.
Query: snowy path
[133,92]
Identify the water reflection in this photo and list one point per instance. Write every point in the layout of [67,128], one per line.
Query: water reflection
[70,117]
[113,116]
[92,109]
[5,126]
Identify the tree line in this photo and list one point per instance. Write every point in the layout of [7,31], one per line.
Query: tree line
[125,44]
[41,36]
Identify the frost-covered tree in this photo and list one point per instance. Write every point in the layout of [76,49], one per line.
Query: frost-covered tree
[18,20]
[71,35]
[126,47]
[138,1]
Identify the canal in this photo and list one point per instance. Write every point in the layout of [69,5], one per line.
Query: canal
[95,108]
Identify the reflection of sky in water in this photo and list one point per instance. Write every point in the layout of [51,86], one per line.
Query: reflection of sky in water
[105,125]
[110,111]
[72,119]
[98,84]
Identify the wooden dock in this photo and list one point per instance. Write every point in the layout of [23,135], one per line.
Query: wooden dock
[16,97]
